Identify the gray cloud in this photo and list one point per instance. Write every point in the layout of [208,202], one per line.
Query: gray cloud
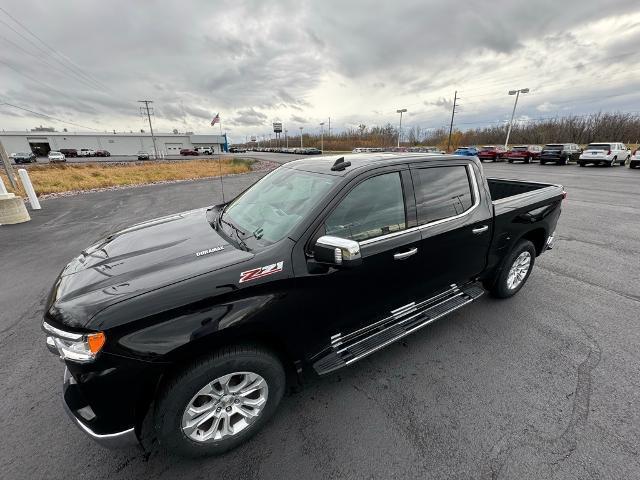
[304,61]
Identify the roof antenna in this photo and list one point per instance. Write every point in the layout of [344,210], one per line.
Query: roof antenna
[340,165]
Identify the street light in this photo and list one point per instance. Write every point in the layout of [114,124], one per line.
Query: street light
[322,137]
[285,137]
[517,94]
[301,136]
[400,111]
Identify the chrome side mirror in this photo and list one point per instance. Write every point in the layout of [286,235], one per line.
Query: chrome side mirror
[338,252]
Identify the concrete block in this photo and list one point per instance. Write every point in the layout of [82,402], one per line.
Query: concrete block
[12,210]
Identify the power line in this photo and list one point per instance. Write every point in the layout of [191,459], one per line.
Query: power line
[44,115]
[74,66]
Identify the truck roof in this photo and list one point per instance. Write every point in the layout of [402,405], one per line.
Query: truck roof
[360,161]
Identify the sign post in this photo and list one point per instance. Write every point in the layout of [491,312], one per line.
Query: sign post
[277,129]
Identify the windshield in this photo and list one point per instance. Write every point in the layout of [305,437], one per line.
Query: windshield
[275,205]
[553,146]
[519,149]
[488,147]
[599,146]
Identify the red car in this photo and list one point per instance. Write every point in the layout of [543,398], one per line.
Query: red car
[492,152]
[102,153]
[526,153]
[188,151]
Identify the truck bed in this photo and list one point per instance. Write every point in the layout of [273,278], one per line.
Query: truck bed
[508,195]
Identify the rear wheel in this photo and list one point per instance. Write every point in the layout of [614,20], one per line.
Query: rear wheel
[527,159]
[515,271]
[220,401]
[613,162]
[582,164]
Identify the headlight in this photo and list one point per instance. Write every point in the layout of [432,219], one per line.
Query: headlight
[77,347]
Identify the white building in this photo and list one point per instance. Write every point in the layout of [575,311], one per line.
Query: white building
[115,143]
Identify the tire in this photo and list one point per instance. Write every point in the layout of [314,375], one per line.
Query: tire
[613,162]
[542,162]
[527,159]
[502,286]
[582,164]
[249,362]
[622,163]
[510,161]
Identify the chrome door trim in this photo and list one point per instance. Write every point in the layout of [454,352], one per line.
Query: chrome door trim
[405,255]
[476,203]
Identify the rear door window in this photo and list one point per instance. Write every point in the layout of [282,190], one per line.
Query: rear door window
[441,192]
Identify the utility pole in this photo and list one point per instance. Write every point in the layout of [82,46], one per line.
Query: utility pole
[301,137]
[7,167]
[285,137]
[329,131]
[400,111]
[515,104]
[149,112]
[453,112]
[322,137]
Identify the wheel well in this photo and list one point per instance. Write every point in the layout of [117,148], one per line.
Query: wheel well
[538,237]
[183,356]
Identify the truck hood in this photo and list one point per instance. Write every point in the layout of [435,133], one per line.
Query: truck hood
[137,260]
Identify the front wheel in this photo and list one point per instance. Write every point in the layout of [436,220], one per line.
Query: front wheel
[515,273]
[219,401]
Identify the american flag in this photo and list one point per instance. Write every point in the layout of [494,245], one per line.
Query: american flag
[215,120]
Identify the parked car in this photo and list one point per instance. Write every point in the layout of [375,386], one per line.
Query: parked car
[142,155]
[24,157]
[526,153]
[243,150]
[559,153]
[56,157]
[312,151]
[495,153]
[86,152]
[188,151]
[203,312]
[466,151]
[102,153]
[606,153]
[634,161]
[204,150]
[69,152]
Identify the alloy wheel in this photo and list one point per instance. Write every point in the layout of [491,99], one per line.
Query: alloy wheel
[225,407]
[519,270]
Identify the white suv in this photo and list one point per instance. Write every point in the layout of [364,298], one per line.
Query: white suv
[605,153]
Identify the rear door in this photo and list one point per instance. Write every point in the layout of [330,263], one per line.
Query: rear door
[455,222]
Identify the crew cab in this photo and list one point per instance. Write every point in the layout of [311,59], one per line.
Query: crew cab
[525,153]
[495,153]
[559,153]
[605,153]
[198,320]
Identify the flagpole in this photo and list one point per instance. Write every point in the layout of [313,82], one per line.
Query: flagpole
[220,159]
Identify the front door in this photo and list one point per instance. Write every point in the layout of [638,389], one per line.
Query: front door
[378,211]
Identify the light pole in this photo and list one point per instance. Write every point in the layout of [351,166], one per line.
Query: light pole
[515,104]
[400,111]
[285,137]
[301,137]
[322,137]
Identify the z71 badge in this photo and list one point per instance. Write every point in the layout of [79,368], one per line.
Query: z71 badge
[260,272]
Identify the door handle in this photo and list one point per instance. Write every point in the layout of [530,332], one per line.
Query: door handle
[479,230]
[404,255]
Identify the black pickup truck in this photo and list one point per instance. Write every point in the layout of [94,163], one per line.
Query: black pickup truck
[195,323]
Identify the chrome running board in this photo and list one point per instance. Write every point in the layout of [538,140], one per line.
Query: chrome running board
[348,349]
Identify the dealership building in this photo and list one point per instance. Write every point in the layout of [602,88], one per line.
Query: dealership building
[41,142]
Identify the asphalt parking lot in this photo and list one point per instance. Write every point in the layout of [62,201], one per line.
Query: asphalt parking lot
[543,385]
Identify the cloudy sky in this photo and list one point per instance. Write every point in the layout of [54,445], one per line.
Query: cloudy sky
[87,62]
